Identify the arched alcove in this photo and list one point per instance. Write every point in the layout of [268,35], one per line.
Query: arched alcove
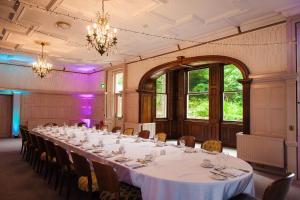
[175,69]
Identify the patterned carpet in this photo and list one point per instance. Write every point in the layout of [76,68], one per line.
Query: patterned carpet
[19,181]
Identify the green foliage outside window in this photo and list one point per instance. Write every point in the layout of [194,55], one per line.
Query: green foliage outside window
[161,97]
[233,94]
[197,98]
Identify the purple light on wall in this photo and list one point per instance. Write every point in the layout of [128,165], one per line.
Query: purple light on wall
[87,121]
[86,96]
[86,110]
[84,68]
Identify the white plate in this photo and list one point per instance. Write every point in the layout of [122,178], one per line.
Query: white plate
[218,177]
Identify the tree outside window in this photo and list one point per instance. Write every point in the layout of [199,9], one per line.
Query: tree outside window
[161,97]
[232,94]
[198,94]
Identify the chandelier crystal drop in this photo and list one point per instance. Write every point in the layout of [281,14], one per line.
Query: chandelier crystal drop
[100,36]
[41,67]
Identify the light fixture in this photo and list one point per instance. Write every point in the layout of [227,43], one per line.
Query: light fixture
[100,36]
[41,67]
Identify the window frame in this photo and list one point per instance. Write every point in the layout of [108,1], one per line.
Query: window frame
[187,93]
[222,91]
[117,95]
[162,93]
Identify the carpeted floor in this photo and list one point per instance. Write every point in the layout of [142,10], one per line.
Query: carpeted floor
[19,181]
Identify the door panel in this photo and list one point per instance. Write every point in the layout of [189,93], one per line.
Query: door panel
[5,115]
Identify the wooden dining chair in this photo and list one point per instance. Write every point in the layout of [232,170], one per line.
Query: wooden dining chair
[24,140]
[189,140]
[66,170]
[43,157]
[275,191]
[161,136]
[128,131]
[87,181]
[115,129]
[109,185]
[51,162]
[81,124]
[35,152]
[144,134]
[50,124]
[212,145]
[29,146]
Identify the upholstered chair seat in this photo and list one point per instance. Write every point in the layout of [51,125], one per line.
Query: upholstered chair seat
[83,183]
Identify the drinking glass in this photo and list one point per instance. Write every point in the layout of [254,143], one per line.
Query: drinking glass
[182,143]
[155,139]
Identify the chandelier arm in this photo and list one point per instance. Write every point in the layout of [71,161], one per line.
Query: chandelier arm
[102,7]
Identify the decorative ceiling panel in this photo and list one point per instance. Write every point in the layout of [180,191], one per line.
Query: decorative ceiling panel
[146,26]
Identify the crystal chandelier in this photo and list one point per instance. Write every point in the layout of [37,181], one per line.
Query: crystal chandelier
[41,67]
[100,36]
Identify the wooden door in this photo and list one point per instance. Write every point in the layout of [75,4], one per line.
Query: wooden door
[5,115]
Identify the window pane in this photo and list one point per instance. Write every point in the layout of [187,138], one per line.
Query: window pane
[233,106]
[198,80]
[198,106]
[119,106]
[161,84]
[119,83]
[161,105]
[231,75]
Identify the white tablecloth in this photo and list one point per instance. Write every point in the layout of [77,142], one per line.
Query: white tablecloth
[175,176]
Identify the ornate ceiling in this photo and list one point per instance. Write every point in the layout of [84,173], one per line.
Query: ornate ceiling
[22,25]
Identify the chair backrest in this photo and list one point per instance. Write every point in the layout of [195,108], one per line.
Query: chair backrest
[102,128]
[50,149]
[279,188]
[80,124]
[128,131]
[81,164]
[107,178]
[115,129]
[62,157]
[23,134]
[189,140]
[212,145]
[41,144]
[26,132]
[50,124]
[33,140]
[144,134]
[161,136]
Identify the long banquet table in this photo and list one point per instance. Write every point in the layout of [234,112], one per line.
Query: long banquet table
[177,175]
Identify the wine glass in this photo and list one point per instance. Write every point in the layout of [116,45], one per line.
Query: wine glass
[155,139]
[182,143]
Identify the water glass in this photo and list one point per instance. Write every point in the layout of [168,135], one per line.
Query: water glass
[155,139]
[182,143]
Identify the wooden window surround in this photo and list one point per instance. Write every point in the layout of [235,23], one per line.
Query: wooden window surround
[176,124]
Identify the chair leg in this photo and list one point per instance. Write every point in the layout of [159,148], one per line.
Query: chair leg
[69,186]
[51,168]
[24,152]
[57,179]
[61,183]
[22,147]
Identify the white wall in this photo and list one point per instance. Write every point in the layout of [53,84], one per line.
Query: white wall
[14,77]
